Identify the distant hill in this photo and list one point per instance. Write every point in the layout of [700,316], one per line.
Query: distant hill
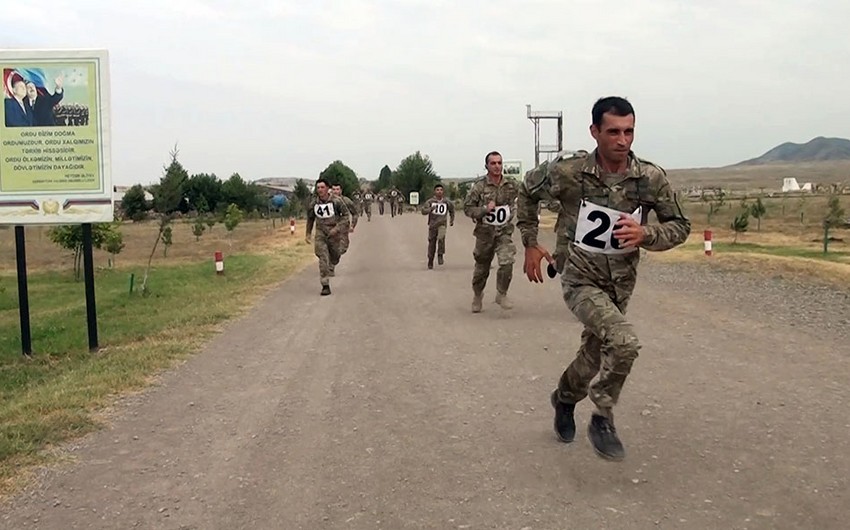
[815,150]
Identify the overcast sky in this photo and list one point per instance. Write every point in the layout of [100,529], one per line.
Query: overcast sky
[285,90]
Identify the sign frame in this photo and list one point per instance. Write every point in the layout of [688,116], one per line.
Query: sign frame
[56,174]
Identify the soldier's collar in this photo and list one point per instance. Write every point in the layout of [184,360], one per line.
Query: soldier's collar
[591,167]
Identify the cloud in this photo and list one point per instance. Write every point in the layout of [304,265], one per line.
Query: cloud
[287,87]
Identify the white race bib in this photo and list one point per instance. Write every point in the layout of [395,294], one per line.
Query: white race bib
[439,208]
[595,228]
[368,196]
[324,211]
[499,216]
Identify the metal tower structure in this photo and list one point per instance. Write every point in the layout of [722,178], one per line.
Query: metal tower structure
[535,117]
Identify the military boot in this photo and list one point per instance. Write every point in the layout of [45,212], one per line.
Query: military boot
[604,438]
[440,259]
[565,423]
[326,290]
[476,302]
[430,263]
[502,300]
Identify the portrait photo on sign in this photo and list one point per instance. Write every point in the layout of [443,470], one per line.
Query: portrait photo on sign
[46,96]
[511,168]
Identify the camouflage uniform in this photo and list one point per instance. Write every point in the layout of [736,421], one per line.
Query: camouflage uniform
[381,199]
[393,198]
[492,240]
[437,211]
[367,205]
[331,218]
[345,238]
[596,283]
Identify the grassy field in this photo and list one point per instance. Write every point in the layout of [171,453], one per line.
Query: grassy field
[783,246]
[59,392]
[769,177]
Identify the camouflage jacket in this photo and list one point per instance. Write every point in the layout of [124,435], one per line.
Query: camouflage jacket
[438,211]
[352,209]
[327,215]
[580,186]
[499,221]
[368,196]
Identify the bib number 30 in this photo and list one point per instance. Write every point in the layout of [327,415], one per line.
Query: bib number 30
[499,216]
[595,229]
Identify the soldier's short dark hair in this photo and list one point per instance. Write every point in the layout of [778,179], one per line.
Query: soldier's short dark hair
[491,153]
[438,186]
[613,104]
[324,181]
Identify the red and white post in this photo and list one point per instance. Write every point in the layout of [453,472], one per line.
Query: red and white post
[292,226]
[707,238]
[219,262]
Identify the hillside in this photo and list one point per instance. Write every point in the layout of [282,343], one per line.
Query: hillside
[815,150]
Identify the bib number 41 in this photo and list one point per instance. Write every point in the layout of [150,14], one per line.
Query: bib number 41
[595,229]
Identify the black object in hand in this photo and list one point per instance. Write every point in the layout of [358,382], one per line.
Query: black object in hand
[550,270]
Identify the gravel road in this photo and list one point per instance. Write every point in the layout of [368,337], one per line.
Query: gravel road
[389,405]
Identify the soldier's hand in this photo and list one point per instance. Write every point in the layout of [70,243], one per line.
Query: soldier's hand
[533,255]
[491,206]
[629,232]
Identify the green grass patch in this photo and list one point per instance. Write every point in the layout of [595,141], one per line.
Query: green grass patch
[837,256]
[53,396]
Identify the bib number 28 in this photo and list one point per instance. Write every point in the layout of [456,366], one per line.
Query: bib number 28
[595,229]
[499,216]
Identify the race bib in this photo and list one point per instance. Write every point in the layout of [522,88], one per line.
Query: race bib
[439,208]
[499,216]
[324,211]
[394,194]
[595,228]
[368,196]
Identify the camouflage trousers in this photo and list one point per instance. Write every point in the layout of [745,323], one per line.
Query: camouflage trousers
[328,251]
[436,241]
[609,347]
[344,242]
[487,247]
[367,207]
[381,207]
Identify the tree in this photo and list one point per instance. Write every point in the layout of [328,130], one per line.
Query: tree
[114,244]
[741,223]
[198,229]
[71,237]
[168,196]
[302,195]
[834,218]
[758,210]
[166,241]
[384,179]
[232,218]
[338,173]
[134,204]
[415,173]
[203,191]
[715,202]
[463,189]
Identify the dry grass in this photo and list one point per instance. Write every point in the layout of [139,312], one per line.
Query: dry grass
[249,236]
[770,176]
